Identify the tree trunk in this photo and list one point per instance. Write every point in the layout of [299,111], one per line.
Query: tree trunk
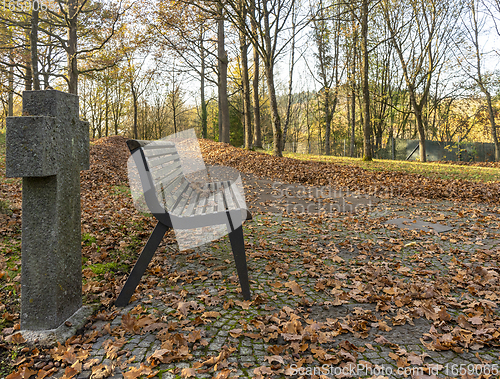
[11,87]
[28,75]
[116,115]
[174,107]
[255,85]
[256,101]
[274,110]
[269,67]
[224,135]
[34,48]
[420,125]
[72,47]
[204,115]
[134,99]
[106,121]
[367,149]
[245,80]
[327,121]
[290,82]
[491,116]
[353,89]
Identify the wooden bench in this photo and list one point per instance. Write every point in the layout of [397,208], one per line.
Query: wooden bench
[178,202]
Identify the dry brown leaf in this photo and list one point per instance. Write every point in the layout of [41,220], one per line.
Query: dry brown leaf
[443,315]
[188,372]
[274,358]
[15,338]
[382,325]
[243,304]
[22,373]
[476,320]
[129,323]
[235,333]
[415,359]
[211,314]
[296,290]
[71,372]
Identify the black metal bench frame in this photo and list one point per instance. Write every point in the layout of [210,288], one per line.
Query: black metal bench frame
[230,217]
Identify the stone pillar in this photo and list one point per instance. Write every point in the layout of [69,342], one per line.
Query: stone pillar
[48,147]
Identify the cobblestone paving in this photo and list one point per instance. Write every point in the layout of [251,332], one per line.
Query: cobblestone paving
[301,239]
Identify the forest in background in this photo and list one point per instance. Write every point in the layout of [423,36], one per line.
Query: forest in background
[260,73]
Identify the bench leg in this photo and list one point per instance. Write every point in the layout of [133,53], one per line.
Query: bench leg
[238,246]
[141,265]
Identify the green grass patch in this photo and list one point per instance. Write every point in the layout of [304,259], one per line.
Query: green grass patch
[88,239]
[102,268]
[10,254]
[120,190]
[5,207]
[428,169]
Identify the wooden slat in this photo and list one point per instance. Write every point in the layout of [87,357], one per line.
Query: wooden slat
[193,202]
[154,162]
[228,196]
[163,197]
[183,200]
[210,206]
[240,202]
[167,176]
[219,196]
[174,198]
[159,145]
[201,204]
[161,153]
[135,144]
[169,187]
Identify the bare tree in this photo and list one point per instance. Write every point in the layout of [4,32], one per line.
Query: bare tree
[420,32]
[472,62]
[367,130]
[270,37]
[327,63]
[222,63]
[245,81]
[255,81]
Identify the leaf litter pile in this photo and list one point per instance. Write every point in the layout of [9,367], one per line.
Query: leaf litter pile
[327,289]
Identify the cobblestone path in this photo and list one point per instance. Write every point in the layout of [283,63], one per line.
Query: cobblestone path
[288,256]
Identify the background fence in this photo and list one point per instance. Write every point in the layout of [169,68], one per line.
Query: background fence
[439,151]
[435,150]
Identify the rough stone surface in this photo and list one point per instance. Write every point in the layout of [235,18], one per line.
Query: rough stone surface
[51,285]
[62,333]
[31,149]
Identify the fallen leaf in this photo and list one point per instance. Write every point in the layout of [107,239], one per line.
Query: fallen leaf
[188,372]
[274,358]
[211,314]
[296,290]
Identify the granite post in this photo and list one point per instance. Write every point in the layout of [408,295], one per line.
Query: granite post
[48,147]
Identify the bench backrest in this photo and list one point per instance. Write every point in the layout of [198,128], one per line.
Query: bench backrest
[163,164]
[180,183]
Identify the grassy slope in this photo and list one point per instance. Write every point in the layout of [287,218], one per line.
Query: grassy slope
[429,169]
